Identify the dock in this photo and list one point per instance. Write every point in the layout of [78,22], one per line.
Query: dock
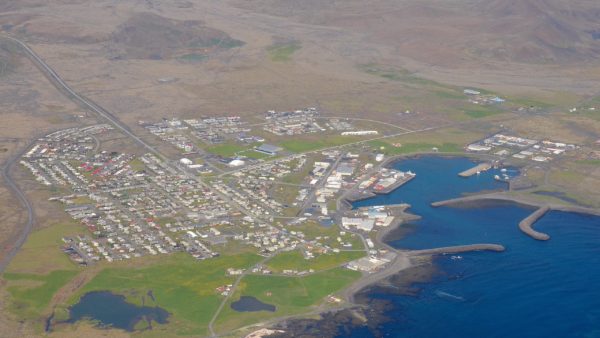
[476,170]
[400,182]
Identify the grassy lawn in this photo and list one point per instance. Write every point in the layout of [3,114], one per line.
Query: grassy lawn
[226,149]
[294,260]
[566,177]
[31,293]
[588,162]
[482,111]
[41,252]
[290,295]
[38,271]
[137,164]
[283,52]
[251,153]
[181,285]
[316,143]
[312,230]
[300,176]
[408,148]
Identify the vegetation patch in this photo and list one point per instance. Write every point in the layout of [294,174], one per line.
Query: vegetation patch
[179,283]
[31,293]
[416,147]
[290,295]
[193,57]
[226,149]
[588,162]
[294,260]
[403,75]
[281,52]
[306,145]
[482,111]
[41,252]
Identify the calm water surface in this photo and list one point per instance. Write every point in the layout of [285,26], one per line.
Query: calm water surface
[111,310]
[251,304]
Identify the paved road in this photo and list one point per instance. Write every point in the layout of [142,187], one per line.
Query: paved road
[10,183]
[258,165]
[58,82]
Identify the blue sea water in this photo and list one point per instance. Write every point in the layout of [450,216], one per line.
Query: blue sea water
[533,289]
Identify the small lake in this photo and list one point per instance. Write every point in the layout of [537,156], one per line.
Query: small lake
[111,310]
[251,304]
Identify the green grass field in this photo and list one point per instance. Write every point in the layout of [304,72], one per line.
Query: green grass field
[290,295]
[283,52]
[41,252]
[316,143]
[588,162]
[294,260]
[483,111]
[226,149]
[31,293]
[181,285]
[408,148]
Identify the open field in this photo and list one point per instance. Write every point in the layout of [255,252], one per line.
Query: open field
[290,295]
[226,149]
[31,293]
[293,260]
[41,253]
[180,284]
[315,142]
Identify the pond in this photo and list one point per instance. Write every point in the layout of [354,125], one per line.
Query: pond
[251,304]
[111,310]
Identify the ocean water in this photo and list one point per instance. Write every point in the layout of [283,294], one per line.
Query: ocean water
[533,289]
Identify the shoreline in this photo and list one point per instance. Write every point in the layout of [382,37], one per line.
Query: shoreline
[408,259]
[404,259]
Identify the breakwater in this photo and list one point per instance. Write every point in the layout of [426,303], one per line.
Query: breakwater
[526,224]
[458,249]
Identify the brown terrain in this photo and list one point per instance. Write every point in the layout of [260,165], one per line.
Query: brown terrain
[144,60]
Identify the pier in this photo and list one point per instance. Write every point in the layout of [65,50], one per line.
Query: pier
[393,186]
[526,224]
[476,170]
[458,249]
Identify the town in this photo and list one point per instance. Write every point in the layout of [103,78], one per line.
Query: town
[229,185]
[265,197]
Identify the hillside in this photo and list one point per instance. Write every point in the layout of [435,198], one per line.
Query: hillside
[150,36]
